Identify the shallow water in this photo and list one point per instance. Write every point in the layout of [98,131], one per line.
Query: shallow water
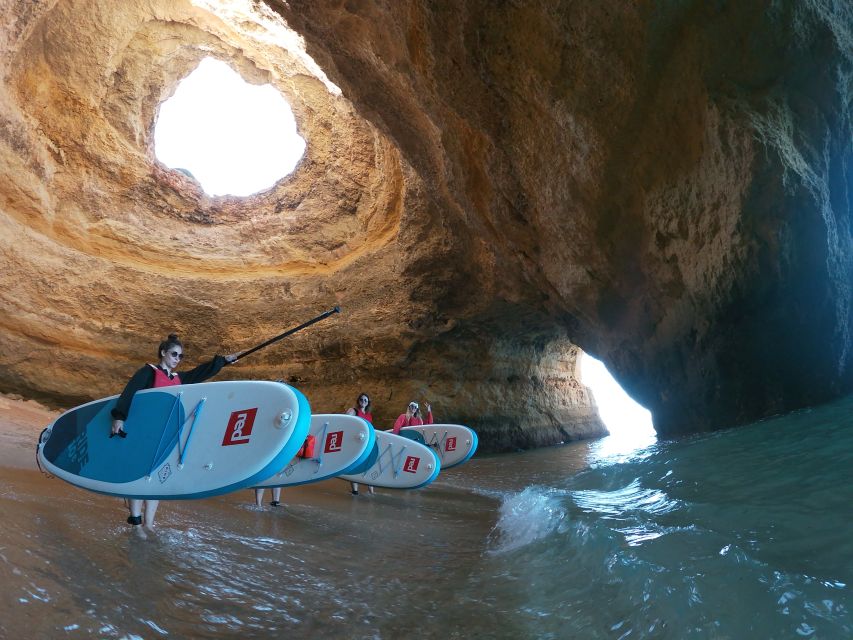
[740,534]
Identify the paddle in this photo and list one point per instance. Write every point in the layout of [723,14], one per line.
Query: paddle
[289,332]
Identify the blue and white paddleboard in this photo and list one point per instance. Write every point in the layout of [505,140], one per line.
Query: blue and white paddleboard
[453,443]
[396,463]
[186,441]
[341,443]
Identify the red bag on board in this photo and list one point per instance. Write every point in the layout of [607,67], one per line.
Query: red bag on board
[307,449]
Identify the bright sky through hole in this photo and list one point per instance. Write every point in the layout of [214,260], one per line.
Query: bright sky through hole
[621,415]
[235,138]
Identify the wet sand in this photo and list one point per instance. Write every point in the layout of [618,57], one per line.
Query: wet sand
[21,422]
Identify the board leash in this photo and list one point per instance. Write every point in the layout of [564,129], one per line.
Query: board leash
[39,444]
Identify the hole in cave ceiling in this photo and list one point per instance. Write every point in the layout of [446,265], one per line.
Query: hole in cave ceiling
[233,137]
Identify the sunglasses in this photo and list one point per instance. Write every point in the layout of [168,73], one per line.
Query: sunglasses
[177,354]
[363,399]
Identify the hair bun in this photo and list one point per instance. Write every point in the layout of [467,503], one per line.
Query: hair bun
[173,336]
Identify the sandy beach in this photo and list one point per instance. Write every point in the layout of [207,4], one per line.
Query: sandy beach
[21,422]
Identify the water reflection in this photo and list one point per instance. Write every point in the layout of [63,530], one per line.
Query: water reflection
[616,449]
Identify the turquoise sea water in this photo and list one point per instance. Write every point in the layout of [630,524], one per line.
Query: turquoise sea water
[740,534]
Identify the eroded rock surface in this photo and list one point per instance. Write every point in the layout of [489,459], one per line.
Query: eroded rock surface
[665,185]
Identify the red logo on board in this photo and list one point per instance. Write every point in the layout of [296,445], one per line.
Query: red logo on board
[411,465]
[450,444]
[334,441]
[239,427]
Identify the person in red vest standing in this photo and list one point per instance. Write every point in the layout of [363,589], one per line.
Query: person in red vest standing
[170,353]
[362,410]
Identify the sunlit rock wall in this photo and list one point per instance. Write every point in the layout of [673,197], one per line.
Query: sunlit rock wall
[105,251]
[665,185]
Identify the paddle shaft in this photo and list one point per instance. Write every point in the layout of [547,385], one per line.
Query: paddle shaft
[289,332]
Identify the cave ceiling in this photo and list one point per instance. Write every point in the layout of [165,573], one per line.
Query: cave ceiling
[486,188]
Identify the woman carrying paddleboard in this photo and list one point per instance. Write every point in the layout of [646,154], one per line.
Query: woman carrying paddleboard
[412,417]
[170,353]
[362,410]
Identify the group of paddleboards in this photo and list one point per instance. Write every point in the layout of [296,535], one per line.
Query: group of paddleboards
[183,441]
[206,439]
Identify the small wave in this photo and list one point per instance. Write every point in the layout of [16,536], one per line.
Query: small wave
[526,517]
[632,497]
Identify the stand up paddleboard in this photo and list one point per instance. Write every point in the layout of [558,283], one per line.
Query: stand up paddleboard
[335,444]
[186,441]
[454,443]
[396,463]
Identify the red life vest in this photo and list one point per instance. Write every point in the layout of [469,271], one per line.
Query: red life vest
[162,380]
[364,414]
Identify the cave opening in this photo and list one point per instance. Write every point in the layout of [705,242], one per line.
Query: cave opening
[621,414]
[233,137]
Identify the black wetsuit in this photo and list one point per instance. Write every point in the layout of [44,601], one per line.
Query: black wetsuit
[144,379]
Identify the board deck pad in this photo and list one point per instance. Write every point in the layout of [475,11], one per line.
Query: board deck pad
[396,463]
[185,441]
[343,443]
[453,443]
